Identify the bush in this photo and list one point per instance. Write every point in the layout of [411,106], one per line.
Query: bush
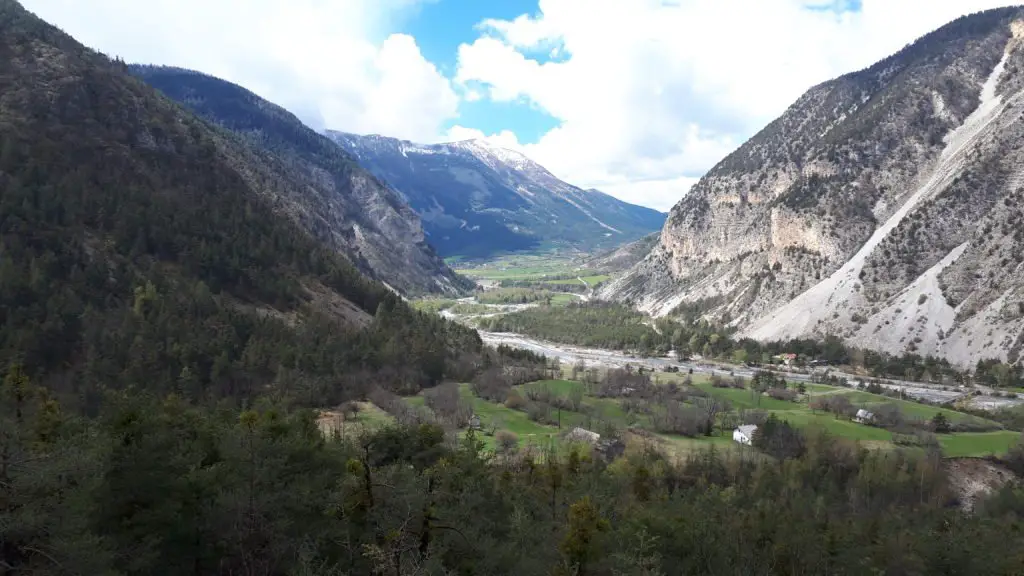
[538,412]
[1014,459]
[490,385]
[514,401]
[779,439]
[677,418]
[837,404]
[781,394]
[720,382]
[506,441]
[756,417]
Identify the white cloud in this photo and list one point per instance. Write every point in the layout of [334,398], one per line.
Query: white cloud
[504,139]
[650,94]
[330,62]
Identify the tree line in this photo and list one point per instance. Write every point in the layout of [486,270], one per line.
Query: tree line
[156,485]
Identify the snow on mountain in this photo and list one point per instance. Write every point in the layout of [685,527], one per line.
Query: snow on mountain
[477,199]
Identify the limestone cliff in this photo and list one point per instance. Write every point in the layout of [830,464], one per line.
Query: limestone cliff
[883,206]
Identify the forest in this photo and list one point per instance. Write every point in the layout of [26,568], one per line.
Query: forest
[133,255]
[160,486]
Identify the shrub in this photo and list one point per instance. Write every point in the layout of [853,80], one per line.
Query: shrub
[781,394]
[1014,459]
[779,439]
[538,412]
[720,382]
[506,441]
[514,401]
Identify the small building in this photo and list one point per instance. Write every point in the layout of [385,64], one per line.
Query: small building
[474,422]
[744,434]
[578,434]
[864,417]
[788,359]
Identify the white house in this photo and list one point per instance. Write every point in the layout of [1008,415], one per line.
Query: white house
[863,416]
[744,434]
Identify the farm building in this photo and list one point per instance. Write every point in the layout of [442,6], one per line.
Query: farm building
[863,416]
[744,434]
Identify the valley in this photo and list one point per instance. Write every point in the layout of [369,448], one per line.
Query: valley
[539,414]
[237,338]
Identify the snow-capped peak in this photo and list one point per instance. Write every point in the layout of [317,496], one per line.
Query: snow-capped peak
[511,158]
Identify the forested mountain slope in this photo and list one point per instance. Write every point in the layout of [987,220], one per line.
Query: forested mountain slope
[883,206]
[335,199]
[477,199]
[141,246]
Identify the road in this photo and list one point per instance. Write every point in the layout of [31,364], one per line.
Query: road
[932,393]
[611,358]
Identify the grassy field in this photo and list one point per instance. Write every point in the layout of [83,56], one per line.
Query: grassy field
[748,399]
[978,443]
[526,267]
[563,299]
[600,411]
[804,418]
[909,408]
[498,416]
[591,279]
[369,418]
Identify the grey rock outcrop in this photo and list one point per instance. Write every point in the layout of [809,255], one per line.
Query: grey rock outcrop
[884,207]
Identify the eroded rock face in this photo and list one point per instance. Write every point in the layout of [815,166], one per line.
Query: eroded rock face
[884,206]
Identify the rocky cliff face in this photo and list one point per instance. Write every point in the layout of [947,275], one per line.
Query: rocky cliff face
[323,188]
[477,199]
[883,207]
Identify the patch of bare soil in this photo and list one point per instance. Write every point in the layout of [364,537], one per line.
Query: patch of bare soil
[336,305]
[975,478]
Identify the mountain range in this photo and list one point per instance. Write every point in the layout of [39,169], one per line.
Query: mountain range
[320,186]
[884,207]
[477,199]
[143,247]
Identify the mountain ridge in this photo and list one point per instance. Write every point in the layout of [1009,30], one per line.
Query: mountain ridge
[900,161]
[145,249]
[478,199]
[336,200]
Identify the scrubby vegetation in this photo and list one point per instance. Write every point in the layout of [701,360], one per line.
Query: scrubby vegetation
[613,326]
[515,296]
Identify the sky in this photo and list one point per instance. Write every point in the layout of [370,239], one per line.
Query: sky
[637,98]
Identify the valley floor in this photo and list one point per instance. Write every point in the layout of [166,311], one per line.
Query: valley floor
[597,414]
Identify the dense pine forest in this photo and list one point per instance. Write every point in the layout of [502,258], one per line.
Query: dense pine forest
[132,254]
[156,486]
